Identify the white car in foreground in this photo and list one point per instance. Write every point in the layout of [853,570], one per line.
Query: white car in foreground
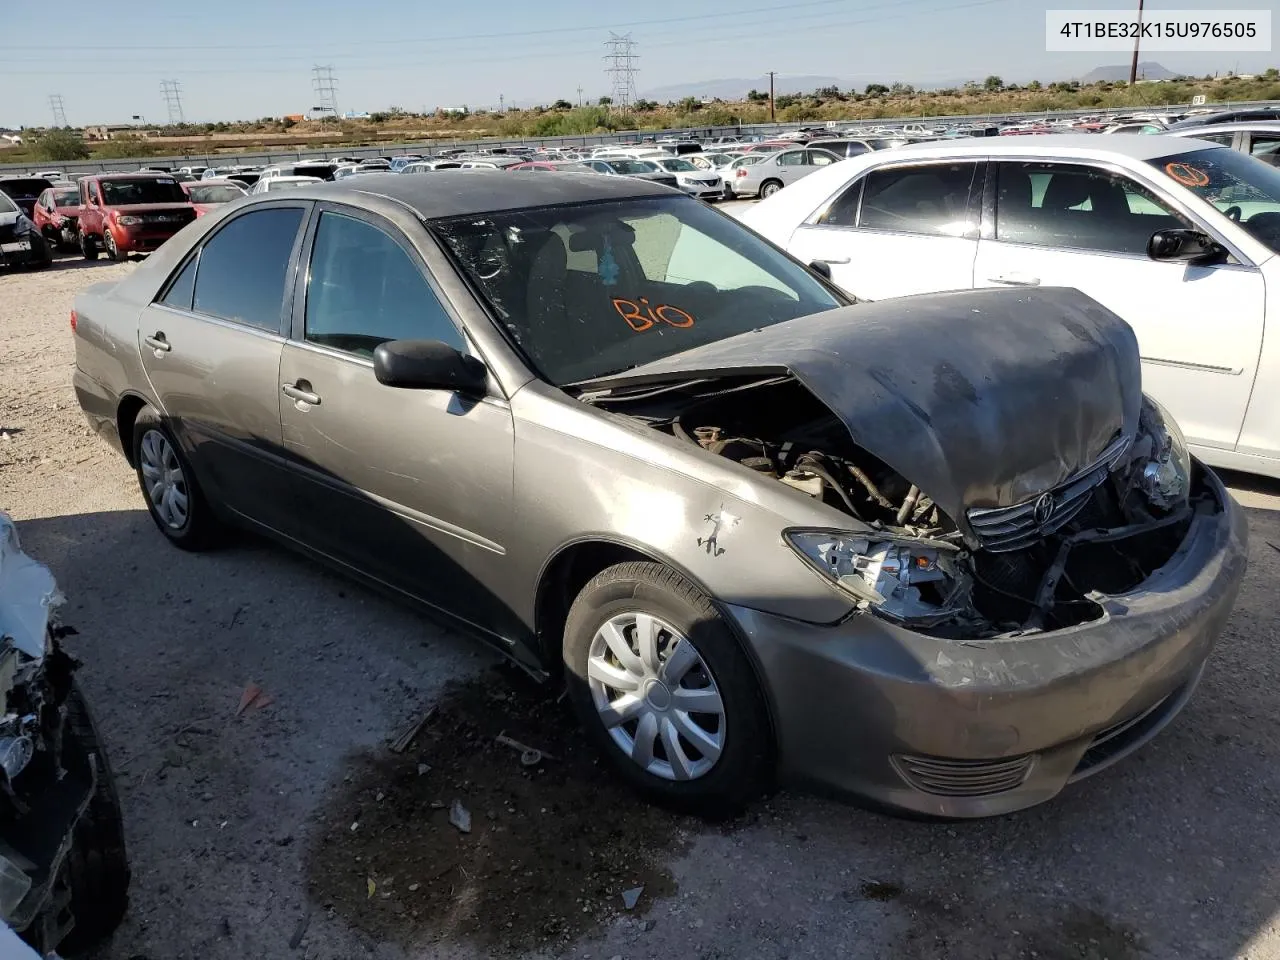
[1178,236]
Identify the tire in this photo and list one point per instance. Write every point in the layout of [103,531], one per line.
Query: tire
[88,249]
[68,239]
[744,765]
[193,527]
[41,253]
[97,866]
[769,188]
[108,241]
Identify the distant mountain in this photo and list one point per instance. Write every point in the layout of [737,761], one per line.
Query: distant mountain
[736,88]
[1148,70]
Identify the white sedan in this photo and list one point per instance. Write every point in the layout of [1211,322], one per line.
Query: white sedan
[699,183]
[1177,236]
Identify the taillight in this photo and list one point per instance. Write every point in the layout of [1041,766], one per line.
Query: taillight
[74,321]
[741,172]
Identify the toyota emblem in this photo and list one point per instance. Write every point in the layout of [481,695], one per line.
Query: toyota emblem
[1042,512]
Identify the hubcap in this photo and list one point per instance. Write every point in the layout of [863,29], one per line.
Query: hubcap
[163,479]
[656,696]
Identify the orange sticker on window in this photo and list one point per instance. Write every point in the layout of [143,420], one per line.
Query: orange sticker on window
[1187,175]
[640,315]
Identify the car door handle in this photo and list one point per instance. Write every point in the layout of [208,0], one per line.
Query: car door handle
[158,342]
[1015,280]
[301,391]
[832,259]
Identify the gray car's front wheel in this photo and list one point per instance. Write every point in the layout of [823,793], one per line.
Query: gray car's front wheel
[660,681]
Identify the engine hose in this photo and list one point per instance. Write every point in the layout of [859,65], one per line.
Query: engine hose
[908,504]
[806,462]
[870,487]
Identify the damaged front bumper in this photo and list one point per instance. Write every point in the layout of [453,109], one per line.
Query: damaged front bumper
[974,728]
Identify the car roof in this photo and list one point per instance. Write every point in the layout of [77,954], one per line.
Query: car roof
[1272,126]
[1144,147]
[461,192]
[131,175]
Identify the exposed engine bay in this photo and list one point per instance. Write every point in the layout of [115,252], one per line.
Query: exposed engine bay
[1008,569]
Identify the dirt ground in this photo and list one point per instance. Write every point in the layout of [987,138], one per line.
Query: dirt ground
[291,829]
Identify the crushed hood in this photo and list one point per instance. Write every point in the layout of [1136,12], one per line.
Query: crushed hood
[982,398]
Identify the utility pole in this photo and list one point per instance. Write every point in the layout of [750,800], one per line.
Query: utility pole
[502,104]
[171,90]
[59,113]
[772,115]
[1133,68]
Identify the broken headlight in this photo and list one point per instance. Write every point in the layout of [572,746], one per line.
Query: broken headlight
[901,579]
[1165,475]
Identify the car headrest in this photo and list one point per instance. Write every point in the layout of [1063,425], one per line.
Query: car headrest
[593,234]
[1067,190]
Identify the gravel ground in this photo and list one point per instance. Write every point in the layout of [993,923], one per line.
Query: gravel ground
[290,829]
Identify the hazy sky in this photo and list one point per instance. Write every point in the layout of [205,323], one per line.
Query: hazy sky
[241,59]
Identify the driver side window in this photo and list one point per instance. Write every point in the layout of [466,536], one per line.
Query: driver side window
[364,289]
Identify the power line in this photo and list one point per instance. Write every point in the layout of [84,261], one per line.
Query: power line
[326,88]
[418,41]
[622,69]
[744,32]
[171,90]
[59,113]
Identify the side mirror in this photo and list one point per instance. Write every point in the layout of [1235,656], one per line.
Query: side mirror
[428,365]
[821,268]
[1185,246]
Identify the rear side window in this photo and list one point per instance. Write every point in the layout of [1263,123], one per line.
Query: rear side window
[180,291]
[364,289]
[931,199]
[242,268]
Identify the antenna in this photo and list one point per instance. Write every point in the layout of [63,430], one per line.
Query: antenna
[326,88]
[622,69]
[171,90]
[59,114]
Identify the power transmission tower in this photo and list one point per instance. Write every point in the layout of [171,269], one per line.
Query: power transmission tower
[171,90]
[326,88]
[579,96]
[59,114]
[621,68]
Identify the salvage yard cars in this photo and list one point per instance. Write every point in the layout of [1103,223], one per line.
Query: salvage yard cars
[1177,236]
[756,527]
[64,875]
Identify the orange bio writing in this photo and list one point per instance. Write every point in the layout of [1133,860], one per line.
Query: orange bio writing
[640,315]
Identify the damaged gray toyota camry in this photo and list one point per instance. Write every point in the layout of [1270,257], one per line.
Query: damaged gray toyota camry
[938,553]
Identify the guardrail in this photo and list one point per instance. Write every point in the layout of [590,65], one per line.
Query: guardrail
[268,156]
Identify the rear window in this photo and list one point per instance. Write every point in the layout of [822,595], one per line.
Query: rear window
[321,170]
[27,187]
[126,193]
[214,193]
[66,198]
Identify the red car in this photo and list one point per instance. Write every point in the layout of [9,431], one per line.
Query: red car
[127,213]
[55,215]
[208,195]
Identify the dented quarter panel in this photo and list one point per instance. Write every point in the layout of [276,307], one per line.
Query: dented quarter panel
[639,486]
[983,398]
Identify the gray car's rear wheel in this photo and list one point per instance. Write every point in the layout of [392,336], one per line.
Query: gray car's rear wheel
[169,486]
[769,188]
[660,681]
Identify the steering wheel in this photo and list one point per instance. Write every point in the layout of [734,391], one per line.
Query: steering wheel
[1233,212]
